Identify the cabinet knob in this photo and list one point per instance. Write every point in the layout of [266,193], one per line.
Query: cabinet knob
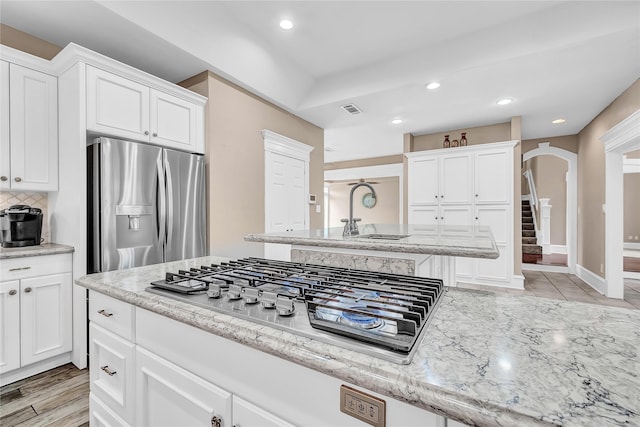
[146,132]
[13,292]
[216,421]
[17,179]
[104,313]
[476,218]
[27,290]
[3,178]
[155,134]
[441,217]
[476,195]
[436,196]
[108,371]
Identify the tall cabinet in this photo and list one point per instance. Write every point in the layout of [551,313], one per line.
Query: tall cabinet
[465,186]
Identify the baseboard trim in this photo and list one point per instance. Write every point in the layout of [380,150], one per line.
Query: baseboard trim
[631,245]
[630,275]
[36,368]
[558,249]
[592,279]
[517,282]
[547,268]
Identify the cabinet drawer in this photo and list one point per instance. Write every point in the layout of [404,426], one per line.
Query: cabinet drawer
[43,265]
[111,371]
[101,416]
[112,314]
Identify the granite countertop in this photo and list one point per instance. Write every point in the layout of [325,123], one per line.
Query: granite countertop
[44,249]
[464,241]
[486,359]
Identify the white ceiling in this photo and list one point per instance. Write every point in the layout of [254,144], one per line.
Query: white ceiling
[554,59]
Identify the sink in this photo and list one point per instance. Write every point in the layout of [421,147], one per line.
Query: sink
[383,236]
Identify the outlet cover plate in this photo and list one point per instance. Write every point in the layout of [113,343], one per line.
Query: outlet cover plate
[363,406]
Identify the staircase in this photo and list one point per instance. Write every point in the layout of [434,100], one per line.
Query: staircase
[531,251]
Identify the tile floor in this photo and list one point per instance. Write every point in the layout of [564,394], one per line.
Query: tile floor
[568,287]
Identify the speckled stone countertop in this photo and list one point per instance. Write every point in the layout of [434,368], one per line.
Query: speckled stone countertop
[46,249]
[464,241]
[486,359]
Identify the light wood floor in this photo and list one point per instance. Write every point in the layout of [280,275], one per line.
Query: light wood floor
[59,397]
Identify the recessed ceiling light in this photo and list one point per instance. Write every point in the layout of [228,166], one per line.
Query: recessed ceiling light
[505,101]
[396,121]
[433,85]
[285,24]
[558,121]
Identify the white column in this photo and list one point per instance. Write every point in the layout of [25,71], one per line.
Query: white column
[614,225]
[545,225]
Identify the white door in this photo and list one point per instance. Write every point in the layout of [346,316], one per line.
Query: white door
[167,395]
[173,121]
[34,129]
[9,326]
[45,317]
[117,106]
[493,177]
[455,179]
[285,200]
[423,181]
[246,414]
[5,152]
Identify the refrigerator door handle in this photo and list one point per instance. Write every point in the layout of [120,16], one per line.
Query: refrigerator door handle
[170,206]
[162,202]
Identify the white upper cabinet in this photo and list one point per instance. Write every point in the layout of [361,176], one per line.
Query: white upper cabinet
[492,180]
[121,107]
[423,174]
[455,179]
[29,129]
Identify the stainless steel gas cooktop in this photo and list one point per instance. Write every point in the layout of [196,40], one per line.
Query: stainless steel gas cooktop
[379,314]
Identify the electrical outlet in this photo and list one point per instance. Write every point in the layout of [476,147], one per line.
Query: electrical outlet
[635,238]
[318,208]
[630,238]
[363,406]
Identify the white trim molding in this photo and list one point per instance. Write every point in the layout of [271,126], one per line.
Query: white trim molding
[558,249]
[632,246]
[545,148]
[546,268]
[280,144]
[592,279]
[631,275]
[620,139]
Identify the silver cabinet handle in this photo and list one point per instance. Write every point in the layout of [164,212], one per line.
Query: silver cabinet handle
[3,178]
[13,292]
[19,268]
[17,179]
[155,134]
[146,132]
[108,371]
[27,290]
[216,421]
[104,313]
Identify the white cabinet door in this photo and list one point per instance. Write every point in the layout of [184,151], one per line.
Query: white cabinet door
[455,179]
[495,269]
[101,416]
[423,215]
[423,181]
[117,106]
[456,216]
[246,414]
[5,151]
[167,395]
[493,177]
[173,121]
[498,219]
[112,371]
[34,129]
[45,317]
[9,325]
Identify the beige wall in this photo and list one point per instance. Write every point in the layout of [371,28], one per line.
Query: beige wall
[477,135]
[16,39]
[631,207]
[386,210]
[591,172]
[235,158]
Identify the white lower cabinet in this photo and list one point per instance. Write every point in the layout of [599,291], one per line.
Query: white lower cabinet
[168,395]
[247,414]
[101,416]
[35,315]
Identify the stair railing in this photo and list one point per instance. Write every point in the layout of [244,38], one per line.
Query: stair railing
[533,199]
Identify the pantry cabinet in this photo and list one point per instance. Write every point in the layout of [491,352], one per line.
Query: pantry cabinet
[124,108]
[35,320]
[28,129]
[467,186]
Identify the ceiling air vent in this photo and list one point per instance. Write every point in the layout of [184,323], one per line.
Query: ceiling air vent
[351,109]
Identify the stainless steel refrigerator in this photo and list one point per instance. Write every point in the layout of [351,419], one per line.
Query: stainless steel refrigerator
[147,205]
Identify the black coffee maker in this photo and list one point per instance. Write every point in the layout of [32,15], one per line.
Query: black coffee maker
[20,225]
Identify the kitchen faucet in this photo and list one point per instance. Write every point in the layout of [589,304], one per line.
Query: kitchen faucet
[351,228]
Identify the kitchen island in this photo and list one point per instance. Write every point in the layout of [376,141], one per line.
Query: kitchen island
[422,250]
[486,359]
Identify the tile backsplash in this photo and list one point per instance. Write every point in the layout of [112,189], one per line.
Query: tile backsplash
[35,200]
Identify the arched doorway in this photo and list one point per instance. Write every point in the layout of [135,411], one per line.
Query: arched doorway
[572,196]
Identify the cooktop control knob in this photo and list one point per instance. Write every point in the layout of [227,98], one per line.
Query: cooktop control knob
[215,290]
[251,295]
[284,306]
[268,299]
[235,292]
